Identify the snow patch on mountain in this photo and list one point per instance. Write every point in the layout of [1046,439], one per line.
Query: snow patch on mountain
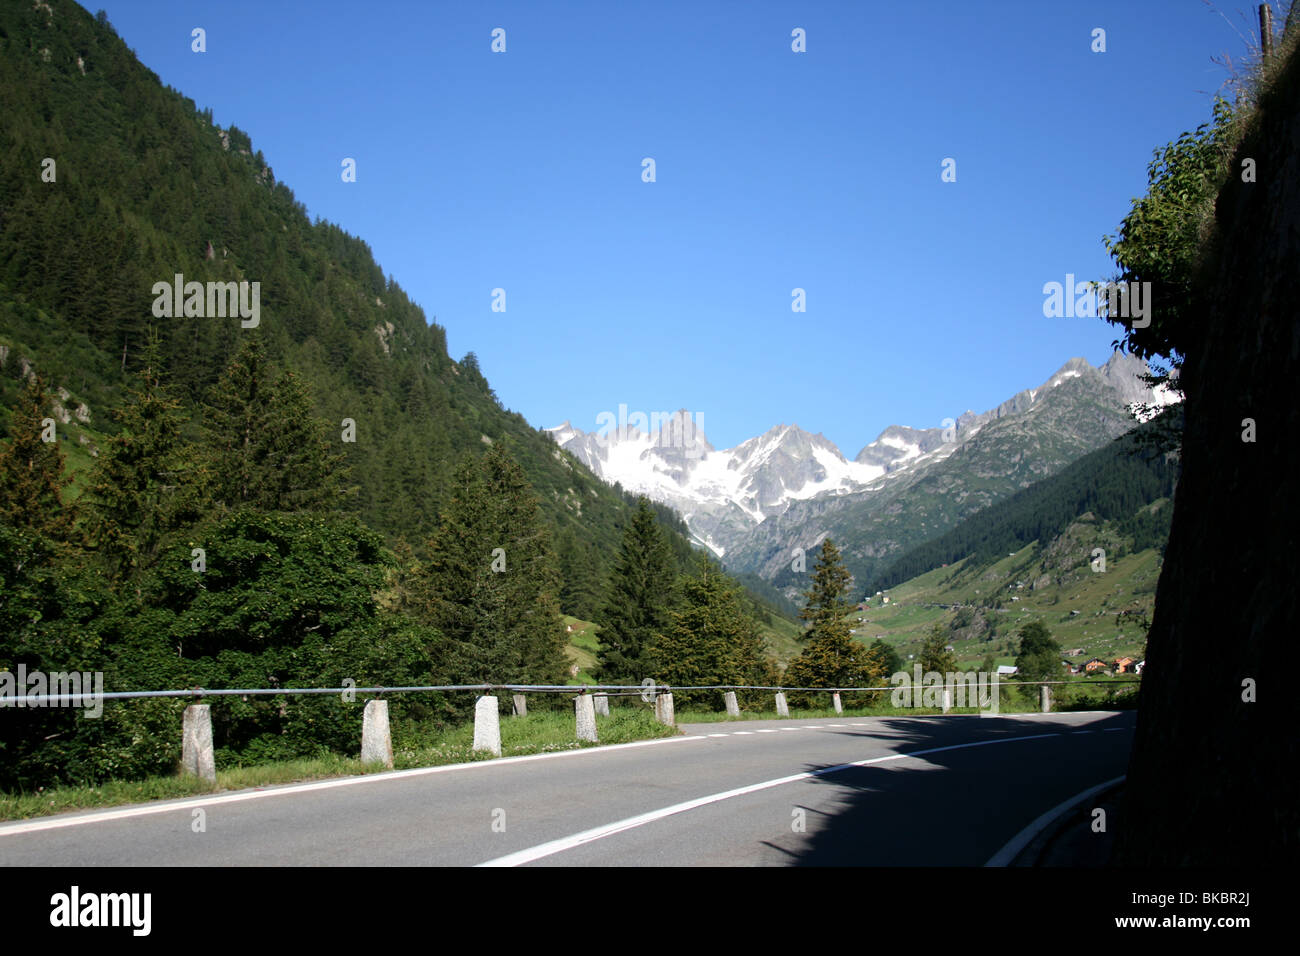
[724,494]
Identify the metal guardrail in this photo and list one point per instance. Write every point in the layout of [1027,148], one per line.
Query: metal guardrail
[619,690]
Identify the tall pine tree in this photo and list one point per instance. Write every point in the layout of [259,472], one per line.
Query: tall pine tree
[831,657]
[580,594]
[639,599]
[265,447]
[135,492]
[935,656]
[32,475]
[491,583]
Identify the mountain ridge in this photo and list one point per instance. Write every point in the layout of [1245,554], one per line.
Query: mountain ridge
[725,495]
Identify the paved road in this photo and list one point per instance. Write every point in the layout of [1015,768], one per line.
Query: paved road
[732,794]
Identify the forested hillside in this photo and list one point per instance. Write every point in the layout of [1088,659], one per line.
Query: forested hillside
[295,494]
[144,187]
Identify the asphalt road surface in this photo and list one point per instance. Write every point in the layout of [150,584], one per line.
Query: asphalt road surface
[884,791]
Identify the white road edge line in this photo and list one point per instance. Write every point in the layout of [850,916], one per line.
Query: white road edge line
[1021,840]
[588,836]
[55,823]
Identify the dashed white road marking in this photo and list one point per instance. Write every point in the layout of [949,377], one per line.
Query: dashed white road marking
[744,733]
[719,735]
[589,836]
[768,730]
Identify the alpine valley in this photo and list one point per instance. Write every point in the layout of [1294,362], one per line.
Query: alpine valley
[763,504]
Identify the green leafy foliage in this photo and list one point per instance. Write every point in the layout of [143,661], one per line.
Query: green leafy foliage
[1163,237]
[828,597]
[1039,656]
[265,448]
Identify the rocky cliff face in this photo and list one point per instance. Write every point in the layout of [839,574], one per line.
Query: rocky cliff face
[1213,778]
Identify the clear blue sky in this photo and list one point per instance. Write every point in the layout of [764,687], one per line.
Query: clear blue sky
[775,170]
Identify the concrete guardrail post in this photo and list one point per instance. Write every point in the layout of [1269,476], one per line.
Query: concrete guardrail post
[664,710]
[197,757]
[585,713]
[947,698]
[487,725]
[521,705]
[782,709]
[376,740]
[837,703]
[733,708]
[1045,694]
[601,703]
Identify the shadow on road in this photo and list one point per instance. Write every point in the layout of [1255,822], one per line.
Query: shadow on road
[960,806]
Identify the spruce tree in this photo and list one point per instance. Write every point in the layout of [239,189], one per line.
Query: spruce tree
[265,447]
[638,601]
[134,493]
[827,601]
[831,657]
[32,475]
[711,639]
[935,656]
[580,594]
[491,583]
[888,656]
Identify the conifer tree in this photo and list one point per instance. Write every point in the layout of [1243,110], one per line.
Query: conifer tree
[134,494]
[711,639]
[638,601]
[831,657]
[32,475]
[827,599]
[935,656]
[491,583]
[266,449]
[580,594]
[888,656]
[1039,656]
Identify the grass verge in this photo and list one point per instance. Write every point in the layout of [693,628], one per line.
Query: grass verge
[541,732]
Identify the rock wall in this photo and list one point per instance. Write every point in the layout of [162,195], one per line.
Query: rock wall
[1215,779]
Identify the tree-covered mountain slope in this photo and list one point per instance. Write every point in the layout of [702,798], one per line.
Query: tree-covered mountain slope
[111,183]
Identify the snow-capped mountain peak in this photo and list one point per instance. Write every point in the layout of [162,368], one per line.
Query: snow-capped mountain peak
[724,494]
